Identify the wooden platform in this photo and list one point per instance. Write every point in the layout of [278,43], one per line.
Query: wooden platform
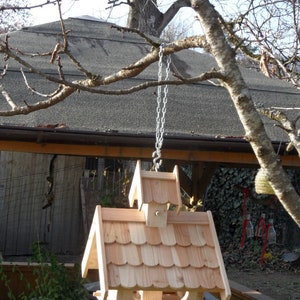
[241,292]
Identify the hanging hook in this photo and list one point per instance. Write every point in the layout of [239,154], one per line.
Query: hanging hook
[157,161]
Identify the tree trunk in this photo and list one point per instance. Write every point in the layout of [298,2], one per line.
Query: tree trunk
[145,16]
[254,129]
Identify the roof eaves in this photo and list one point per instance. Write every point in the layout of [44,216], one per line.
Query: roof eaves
[117,138]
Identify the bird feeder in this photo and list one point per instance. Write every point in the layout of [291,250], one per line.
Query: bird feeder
[154,191]
[262,186]
[153,250]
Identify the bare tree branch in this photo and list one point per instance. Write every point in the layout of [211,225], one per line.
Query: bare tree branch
[272,39]
[93,82]
[286,124]
[171,12]
[141,34]
[115,3]
[28,7]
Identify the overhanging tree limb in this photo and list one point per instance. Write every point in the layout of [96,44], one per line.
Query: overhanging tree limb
[285,124]
[252,123]
[92,82]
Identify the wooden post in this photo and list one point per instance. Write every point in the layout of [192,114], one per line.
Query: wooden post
[83,208]
[151,295]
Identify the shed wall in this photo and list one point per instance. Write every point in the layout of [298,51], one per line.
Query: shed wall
[23,189]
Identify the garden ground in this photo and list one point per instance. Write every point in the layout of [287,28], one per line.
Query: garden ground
[279,285]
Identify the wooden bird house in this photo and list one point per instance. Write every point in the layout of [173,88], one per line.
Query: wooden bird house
[154,192]
[182,260]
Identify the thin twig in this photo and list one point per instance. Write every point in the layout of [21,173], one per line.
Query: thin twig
[60,69]
[155,44]
[285,108]
[66,48]
[31,54]
[33,90]
[63,28]
[8,98]
[4,71]
[26,7]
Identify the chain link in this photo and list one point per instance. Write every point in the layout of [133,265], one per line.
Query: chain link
[161,109]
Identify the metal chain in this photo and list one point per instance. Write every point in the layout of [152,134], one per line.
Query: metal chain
[161,109]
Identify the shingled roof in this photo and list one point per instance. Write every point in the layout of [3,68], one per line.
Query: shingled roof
[201,109]
[199,116]
[183,256]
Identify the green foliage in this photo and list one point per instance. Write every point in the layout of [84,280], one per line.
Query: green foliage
[106,201]
[53,280]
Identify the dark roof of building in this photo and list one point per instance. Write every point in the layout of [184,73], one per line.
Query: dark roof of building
[200,111]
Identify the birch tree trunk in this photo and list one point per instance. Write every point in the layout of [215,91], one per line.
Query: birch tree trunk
[254,129]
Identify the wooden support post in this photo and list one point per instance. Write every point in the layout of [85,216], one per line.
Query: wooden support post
[83,208]
[151,295]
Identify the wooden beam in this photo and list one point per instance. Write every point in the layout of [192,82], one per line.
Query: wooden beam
[241,292]
[141,153]
[202,174]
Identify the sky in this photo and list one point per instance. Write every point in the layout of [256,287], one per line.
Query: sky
[71,8]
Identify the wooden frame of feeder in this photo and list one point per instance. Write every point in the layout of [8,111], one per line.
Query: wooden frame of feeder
[152,249]
[154,191]
[184,257]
